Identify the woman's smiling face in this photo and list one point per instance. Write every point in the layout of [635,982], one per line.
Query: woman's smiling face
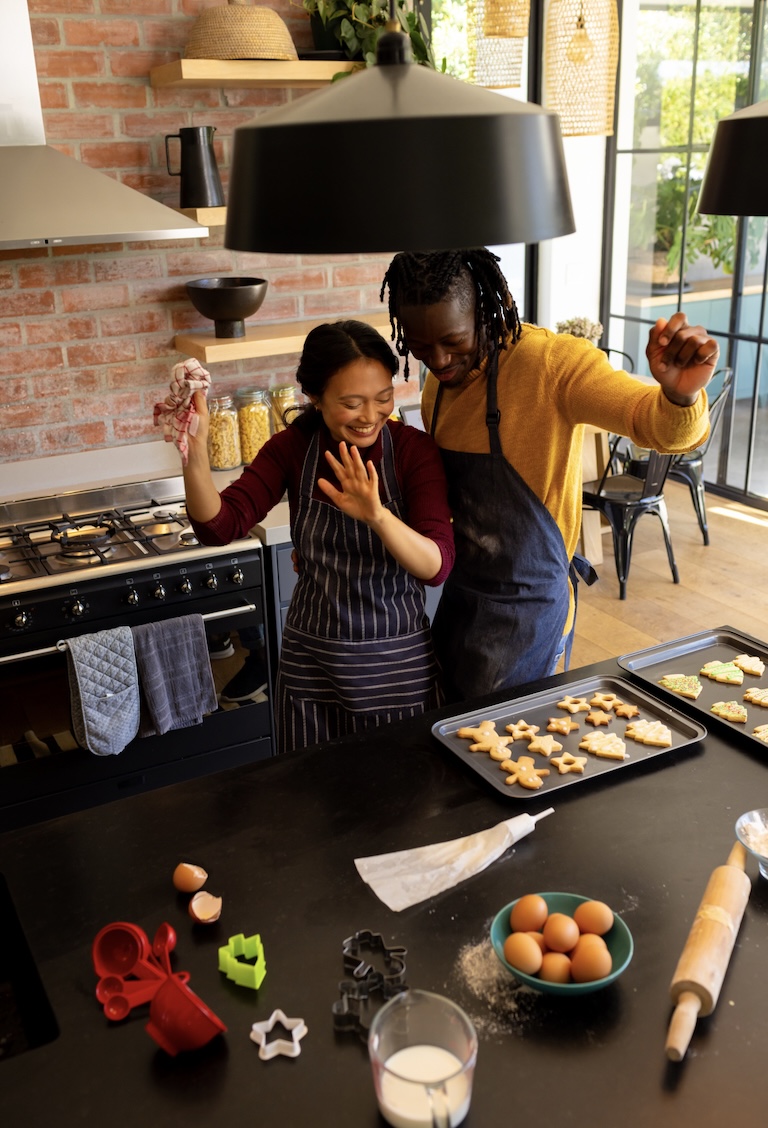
[357,401]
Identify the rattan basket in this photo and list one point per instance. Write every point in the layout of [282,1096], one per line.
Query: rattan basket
[239,31]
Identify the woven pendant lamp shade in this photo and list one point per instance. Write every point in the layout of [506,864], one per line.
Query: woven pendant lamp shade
[239,31]
[496,30]
[581,54]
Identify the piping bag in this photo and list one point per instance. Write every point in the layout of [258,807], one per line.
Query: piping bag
[407,877]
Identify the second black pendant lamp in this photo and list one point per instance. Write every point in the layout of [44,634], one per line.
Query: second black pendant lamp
[397,157]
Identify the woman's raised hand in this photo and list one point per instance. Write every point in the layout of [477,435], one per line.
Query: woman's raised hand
[359,493]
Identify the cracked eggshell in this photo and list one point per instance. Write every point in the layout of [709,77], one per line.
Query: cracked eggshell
[188,878]
[205,908]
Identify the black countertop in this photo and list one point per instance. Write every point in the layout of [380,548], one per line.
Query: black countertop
[278,840]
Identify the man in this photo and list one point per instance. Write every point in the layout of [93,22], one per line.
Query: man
[507,404]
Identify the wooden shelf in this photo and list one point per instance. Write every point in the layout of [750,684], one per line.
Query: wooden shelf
[209,217]
[245,73]
[262,340]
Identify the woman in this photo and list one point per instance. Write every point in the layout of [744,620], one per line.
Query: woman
[370,525]
[507,403]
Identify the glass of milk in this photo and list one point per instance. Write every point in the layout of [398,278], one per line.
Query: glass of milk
[423,1050]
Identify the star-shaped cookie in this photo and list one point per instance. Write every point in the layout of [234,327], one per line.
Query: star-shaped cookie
[622,710]
[604,700]
[573,704]
[561,725]
[598,717]
[521,730]
[569,763]
[544,744]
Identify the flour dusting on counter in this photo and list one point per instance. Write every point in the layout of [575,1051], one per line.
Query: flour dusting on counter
[504,1004]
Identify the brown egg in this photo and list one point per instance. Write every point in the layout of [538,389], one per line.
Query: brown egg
[589,940]
[590,962]
[528,914]
[188,878]
[537,936]
[560,932]
[522,952]
[205,908]
[594,916]
[555,968]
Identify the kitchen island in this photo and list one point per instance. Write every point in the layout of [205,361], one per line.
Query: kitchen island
[278,840]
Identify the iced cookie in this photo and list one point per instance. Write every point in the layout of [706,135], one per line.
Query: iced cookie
[605,745]
[561,725]
[685,685]
[487,739]
[521,730]
[726,672]
[649,732]
[522,771]
[757,697]
[749,663]
[761,732]
[730,711]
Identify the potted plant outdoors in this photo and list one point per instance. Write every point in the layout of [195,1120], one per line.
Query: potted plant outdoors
[355,28]
[581,327]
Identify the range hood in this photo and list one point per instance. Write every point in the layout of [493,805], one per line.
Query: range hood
[50,199]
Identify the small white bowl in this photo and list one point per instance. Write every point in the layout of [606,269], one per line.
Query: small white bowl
[752,832]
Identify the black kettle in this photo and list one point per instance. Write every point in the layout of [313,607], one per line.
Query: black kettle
[200,185]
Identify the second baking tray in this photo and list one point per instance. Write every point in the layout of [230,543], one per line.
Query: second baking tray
[537,708]
[686,656]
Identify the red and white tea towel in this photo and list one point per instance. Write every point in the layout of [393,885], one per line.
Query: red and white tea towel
[177,413]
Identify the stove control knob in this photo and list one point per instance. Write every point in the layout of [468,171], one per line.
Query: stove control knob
[22,620]
[185,587]
[132,597]
[212,581]
[77,608]
[237,576]
[159,592]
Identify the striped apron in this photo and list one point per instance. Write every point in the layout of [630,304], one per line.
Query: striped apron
[357,649]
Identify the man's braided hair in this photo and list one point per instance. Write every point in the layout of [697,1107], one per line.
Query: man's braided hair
[427,277]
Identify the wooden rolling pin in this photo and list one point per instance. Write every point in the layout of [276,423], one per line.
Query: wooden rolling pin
[700,971]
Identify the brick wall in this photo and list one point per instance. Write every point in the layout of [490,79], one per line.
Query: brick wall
[86,333]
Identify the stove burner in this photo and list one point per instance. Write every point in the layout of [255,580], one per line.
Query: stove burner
[79,540]
[187,537]
[82,556]
[5,570]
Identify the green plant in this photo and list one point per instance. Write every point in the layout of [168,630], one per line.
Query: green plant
[357,27]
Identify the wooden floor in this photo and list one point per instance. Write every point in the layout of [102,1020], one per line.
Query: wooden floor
[721,584]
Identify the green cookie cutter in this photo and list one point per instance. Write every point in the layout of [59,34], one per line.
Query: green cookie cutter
[231,959]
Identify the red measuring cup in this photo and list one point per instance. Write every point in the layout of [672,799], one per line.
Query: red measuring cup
[123,949]
[180,1020]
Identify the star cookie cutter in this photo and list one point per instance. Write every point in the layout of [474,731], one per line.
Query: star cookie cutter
[267,1050]
[241,948]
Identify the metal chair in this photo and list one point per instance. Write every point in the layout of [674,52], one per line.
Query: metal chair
[689,467]
[623,499]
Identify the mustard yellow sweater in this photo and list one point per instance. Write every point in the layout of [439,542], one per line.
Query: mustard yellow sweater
[549,386]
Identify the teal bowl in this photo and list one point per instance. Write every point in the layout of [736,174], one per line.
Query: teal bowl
[618,939]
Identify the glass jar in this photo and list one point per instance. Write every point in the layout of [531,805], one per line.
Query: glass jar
[253,415]
[282,398]
[223,434]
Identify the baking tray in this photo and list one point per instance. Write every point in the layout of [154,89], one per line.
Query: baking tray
[686,656]
[536,708]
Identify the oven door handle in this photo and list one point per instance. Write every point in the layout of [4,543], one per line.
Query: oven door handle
[61,645]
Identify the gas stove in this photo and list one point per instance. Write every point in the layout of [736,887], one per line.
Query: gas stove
[84,559]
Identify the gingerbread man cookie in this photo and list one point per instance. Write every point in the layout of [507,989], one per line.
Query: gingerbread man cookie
[523,772]
[521,730]
[487,739]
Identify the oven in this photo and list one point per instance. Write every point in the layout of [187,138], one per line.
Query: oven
[94,560]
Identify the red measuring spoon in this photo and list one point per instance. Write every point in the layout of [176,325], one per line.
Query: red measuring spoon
[120,996]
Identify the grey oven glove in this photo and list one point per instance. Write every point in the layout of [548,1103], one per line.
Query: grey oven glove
[104,690]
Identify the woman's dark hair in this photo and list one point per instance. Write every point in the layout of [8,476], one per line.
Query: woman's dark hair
[330,347]
[426,277]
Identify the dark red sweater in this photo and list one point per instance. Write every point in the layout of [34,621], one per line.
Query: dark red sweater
[277,468]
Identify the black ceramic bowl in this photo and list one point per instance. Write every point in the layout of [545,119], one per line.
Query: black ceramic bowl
[227,301]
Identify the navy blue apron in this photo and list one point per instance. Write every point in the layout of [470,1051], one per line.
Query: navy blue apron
[504,607]
[357,651]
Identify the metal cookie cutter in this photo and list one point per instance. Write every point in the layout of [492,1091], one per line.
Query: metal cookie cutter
[267,1050]
[355,1008]
[231,958]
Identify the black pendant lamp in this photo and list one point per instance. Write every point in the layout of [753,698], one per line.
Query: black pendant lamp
[736,177]
[397,157]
